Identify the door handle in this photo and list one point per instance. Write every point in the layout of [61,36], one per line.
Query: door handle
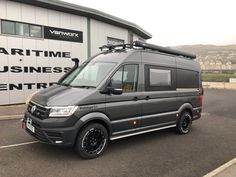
[135,98]
[147,98]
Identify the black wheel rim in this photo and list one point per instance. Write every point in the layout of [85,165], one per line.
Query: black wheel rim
[186,122]
[94,141]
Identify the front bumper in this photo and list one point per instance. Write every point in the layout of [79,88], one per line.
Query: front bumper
[47,131]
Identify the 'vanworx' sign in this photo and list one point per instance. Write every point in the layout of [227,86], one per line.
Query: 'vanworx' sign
[63,34]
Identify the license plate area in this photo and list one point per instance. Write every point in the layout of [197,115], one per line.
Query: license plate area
[29,125]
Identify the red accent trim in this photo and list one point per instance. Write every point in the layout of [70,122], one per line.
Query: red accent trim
[201,99]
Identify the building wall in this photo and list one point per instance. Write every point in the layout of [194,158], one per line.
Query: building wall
[137,37]
[100,31]
[36,15]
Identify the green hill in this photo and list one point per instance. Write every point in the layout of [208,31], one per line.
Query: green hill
[211,52]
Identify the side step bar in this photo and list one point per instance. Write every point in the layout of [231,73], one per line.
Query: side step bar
[141,132]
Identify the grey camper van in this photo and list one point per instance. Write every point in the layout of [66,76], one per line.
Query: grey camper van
[125,90]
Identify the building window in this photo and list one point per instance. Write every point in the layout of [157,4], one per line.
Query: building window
[21,29]
[114,41]
[8,27]
[35,31]
[159,77]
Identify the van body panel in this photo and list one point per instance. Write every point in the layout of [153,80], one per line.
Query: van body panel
[187,64]
[159,102]
[58,95]
[121,107]
[155,58]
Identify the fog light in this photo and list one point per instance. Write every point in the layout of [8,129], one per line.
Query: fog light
[58,142]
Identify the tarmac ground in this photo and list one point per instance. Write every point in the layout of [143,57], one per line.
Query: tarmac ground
[210,144]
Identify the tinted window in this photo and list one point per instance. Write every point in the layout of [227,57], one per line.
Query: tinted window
[187,79]
[159,77]
[8,27]
[117,77]
[128,76]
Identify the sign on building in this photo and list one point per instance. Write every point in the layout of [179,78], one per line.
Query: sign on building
[63,34]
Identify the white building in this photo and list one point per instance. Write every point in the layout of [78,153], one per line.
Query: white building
[38,38]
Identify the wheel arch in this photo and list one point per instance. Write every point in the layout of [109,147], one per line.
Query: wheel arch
[186,107]
[97,117]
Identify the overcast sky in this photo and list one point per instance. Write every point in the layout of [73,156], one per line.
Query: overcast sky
[176,22]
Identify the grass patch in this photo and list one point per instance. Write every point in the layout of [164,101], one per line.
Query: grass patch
[212,77]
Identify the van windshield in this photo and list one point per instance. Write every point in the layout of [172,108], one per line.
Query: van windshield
[89,74]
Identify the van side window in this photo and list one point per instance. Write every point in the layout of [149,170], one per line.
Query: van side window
[192,77]
[128,76]
[159,78]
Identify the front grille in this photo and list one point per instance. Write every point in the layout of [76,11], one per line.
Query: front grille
[40,111]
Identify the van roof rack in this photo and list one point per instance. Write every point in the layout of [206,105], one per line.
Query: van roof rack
[115,47]
[163,49]
[145,45]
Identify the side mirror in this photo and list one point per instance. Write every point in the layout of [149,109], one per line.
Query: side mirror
[115,87]
[115,91]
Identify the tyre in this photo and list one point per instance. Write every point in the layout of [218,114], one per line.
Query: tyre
[184,123]
[92,141]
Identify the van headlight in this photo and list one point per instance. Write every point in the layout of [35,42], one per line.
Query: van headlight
[63,111]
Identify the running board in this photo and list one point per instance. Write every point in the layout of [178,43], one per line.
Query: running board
[141,132]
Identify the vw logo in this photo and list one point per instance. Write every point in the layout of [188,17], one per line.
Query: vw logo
[33,109]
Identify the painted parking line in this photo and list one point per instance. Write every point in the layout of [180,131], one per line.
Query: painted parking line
[19,144]
[205,114]
[11,117]
[221,168]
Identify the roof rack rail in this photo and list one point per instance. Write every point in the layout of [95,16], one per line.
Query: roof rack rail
[113,47]
[145,45]
[163,49]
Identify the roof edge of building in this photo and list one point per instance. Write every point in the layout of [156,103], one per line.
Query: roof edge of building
[88,12]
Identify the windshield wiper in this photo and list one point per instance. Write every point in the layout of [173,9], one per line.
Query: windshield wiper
[63,84]
[83,86]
